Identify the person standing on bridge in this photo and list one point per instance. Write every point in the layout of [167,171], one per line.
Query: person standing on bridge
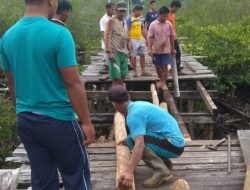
[117,45]
[38,59]
[174,7]
[152,14]
[62,13]
[161,38]
[110,11]
[154,136]
[138,37]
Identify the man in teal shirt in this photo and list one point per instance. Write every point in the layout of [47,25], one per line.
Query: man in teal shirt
[154,136]
[38,58]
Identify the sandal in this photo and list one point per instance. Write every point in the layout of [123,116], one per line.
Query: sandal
[135,75]
[146,74]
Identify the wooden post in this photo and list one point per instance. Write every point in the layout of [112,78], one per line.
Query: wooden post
[212,108]
[173,109]
[190,125]
[122,151]
[175,77]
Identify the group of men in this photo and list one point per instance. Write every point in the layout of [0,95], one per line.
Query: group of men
[157,34]
[38,58]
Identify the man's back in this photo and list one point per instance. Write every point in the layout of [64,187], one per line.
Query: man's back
[143,116]
[34,50]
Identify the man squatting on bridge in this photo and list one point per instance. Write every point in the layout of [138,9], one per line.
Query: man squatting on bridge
[154,136]
[39,61]
[117,45]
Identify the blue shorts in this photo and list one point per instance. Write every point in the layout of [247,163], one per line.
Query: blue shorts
[54,145]
[162,59]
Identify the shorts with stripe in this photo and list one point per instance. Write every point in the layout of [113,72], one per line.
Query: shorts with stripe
[159,144]
[54,145]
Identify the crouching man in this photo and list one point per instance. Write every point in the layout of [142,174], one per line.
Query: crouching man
[154,136]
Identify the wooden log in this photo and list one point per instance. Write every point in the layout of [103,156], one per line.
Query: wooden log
[154,95]
[235,110]
[212,108]
[122,151]
[173,109]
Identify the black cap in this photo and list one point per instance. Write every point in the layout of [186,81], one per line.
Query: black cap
[118,94]
[138,7]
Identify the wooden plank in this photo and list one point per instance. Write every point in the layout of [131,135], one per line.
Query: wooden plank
[173,109]
[212,108]
[146,95]
[244,138]
[122,151]
[135,95]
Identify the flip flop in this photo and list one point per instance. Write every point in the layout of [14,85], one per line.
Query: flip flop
[146,74]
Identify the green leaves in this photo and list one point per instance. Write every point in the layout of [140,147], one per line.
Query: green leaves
[227,50]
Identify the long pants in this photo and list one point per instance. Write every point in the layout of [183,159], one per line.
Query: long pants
[54,145]
[178,55]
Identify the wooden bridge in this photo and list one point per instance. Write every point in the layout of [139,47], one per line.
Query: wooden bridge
[201,167]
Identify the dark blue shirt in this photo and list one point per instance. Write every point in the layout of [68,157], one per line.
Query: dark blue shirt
[151,16]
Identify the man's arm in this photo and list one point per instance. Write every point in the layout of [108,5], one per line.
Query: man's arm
[11,85]
[78,99]
[150,40]
[127,177]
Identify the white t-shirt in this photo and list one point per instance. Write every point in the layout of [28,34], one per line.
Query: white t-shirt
[103,24]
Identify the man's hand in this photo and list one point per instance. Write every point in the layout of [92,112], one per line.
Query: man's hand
[111,56]
[123,142]
[89,133]
[126,179]
[150,53]
[173,51]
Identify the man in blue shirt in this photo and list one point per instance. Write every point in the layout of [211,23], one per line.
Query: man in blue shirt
[152,14]
[154,136]
[38,58]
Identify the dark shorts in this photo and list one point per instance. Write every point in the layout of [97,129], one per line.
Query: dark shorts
[54,145]
[162,59]
[159,144]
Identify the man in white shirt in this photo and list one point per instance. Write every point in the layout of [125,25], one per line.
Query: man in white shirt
[110,10]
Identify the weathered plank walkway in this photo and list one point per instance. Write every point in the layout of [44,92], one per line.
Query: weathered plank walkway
[192,70]
[202,168]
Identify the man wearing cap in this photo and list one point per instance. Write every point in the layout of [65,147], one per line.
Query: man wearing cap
[117,45]
[154,136]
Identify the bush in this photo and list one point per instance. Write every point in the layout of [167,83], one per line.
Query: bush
[8,138]
[227,50]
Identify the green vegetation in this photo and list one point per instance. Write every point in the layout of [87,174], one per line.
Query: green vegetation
[8,139]
[220,31]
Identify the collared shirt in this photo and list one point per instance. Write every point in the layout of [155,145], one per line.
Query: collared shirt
[144,116]
[103,25]
[116,36]
[57,21]
[160,34]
